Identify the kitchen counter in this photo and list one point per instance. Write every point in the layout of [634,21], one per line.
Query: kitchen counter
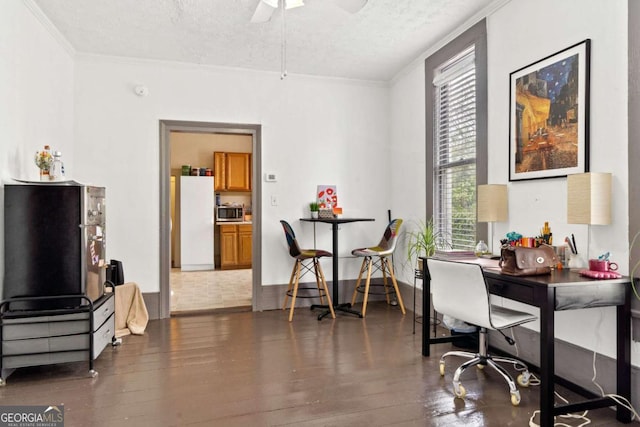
[234,222]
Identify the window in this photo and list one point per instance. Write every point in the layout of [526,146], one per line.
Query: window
[454,150]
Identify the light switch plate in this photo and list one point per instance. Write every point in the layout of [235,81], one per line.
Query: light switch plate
[270,177]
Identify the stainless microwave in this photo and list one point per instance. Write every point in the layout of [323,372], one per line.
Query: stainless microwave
[229,213]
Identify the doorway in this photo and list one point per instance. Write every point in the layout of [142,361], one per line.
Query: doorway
[166,128]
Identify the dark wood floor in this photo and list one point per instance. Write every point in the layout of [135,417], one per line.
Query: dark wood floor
[257,369]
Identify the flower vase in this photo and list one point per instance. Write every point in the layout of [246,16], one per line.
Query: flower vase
[44,175]
[314,214]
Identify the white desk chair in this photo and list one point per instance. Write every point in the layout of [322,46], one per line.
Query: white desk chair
[459,290]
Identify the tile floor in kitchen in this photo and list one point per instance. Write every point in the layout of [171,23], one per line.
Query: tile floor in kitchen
[209,290]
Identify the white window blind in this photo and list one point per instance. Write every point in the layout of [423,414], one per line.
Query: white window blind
[454,163]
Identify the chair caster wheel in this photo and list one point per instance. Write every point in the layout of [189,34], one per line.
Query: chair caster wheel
[515,399]
[93,373]
[460,392]
[442,369]
[523,379]
[481,367]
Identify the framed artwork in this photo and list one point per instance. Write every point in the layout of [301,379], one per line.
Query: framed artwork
[327,196]
[549,116]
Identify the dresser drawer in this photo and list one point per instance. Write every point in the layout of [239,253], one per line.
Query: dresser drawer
[44,345]
[104,335]
[103,311]
[38,329]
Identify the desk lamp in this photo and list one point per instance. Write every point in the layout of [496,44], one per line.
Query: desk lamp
[492,206]
[589,200]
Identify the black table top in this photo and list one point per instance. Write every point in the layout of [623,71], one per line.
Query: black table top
[336,220]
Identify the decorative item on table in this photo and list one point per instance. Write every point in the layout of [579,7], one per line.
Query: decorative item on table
[602,268]
[337,212]
[195,171]
[202,171]
[327,196]
[561,253]
[186,170]
[325,213]
[313,208]
[512,239]
[545,234]
[602,265]
[482,249]
[56,172]
[43,160]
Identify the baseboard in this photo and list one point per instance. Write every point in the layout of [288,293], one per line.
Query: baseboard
[152,301]
[272,296]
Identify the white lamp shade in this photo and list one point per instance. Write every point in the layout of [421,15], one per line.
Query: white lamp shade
[589,198]
[492,203]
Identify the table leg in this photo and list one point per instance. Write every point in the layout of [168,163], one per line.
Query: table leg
[346,307]
[623,363]
[547,358]
[426,305]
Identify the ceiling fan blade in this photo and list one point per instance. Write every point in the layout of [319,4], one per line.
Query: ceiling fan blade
[264,11]
[290,4]
[351,6]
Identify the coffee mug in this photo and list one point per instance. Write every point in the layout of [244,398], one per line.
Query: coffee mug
[602,265]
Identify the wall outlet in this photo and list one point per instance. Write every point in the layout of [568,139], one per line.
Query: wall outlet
[270,177]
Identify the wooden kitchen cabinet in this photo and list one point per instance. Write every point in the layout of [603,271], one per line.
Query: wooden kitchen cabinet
[232,171]
[235,246]
[244,245]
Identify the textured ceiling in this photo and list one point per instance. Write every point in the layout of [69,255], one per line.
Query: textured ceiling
[321,38]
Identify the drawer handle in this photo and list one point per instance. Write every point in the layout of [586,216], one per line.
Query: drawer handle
[106,333]
[106,310]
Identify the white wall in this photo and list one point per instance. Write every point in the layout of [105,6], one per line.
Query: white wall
[36,88]
[314,131]
[520,33]
[408,177]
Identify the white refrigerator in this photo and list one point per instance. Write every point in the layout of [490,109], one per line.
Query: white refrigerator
[196,223]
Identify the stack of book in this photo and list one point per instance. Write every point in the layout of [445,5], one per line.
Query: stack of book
[455,254]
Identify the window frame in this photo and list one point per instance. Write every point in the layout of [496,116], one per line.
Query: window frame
[476,36]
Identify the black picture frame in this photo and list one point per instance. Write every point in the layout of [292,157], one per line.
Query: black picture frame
[549,115]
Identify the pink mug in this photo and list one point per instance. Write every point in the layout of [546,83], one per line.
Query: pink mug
[602,265]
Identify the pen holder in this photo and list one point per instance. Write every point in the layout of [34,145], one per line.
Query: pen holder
[575,261]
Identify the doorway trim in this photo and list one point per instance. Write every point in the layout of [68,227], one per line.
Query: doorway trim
[168,126]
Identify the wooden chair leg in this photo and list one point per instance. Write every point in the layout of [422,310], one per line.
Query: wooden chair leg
[286,294]
[326,290]
[295,290]
[395,287]
[355,291]
[383,268]
[366,286]
[316,266]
